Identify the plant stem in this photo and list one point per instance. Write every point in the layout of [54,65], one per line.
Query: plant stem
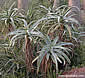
[28,54]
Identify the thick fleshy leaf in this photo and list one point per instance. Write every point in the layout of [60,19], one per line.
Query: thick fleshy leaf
[35,25]
[69,30]
[60,56]
[35,59]
[12,22]
[73,20]
[14,38]
[11,6]
[55,60]
[67,50]
[62,53]
[61,7]
[55,40]
[66,43]
[43,7]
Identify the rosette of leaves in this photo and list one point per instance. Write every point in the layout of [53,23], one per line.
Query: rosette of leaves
[52,50]
[26,32]
[61,20]
[12,18]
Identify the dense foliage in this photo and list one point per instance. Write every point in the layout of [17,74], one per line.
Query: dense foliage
[40,42]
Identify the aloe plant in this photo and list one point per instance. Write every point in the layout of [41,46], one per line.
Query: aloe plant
[61,19]
[50,49]
[11,17]
[54,50]
[26,32]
